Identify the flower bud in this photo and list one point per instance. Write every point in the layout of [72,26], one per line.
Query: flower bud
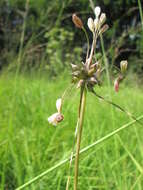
[93,80]
[98,73]
[123,65]
[102,18]
[116,85]
[97,11]
[80,83]
[91,71]
[96,65]
[74,67]
[77,21]
[90,24]
[74,79]
[76,73]
[103,29]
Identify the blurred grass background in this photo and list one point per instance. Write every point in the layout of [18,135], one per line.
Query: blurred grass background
[38,41]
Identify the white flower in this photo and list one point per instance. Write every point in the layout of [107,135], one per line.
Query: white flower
[52,119]
[90,24]
[97,11]
[57,117]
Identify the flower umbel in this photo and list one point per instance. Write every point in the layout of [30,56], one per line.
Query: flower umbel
[57,117]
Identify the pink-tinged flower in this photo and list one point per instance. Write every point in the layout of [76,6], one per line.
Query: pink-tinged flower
[116,85]
[57,117]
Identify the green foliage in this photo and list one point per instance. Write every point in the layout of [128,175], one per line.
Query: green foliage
[58,57]
[29,145]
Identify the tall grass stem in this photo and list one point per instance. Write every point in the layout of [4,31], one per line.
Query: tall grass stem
[79,134]
[141,12]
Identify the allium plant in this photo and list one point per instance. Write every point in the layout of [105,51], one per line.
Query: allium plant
[86,75]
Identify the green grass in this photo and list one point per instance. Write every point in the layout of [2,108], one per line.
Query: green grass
[29,145]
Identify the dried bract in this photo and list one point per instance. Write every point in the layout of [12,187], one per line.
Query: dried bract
[77,21]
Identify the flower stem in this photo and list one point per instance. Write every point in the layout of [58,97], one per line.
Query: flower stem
[81,119]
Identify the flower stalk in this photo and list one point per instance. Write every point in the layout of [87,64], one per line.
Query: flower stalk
[79,134]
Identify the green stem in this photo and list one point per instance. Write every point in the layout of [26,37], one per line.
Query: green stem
[105,62]
[81,119]
[141,13]
[87,38]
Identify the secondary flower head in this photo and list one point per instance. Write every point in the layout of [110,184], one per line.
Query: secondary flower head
[57,117]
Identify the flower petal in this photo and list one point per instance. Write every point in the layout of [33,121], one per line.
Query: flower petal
[55,118]
[52,119]
[59,104]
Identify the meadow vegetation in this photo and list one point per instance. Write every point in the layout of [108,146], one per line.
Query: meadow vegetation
[29,145]
[38,42]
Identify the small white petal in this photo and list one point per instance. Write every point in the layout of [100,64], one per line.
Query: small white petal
[59,104]
[90,24]
[52,119]
[97,11]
